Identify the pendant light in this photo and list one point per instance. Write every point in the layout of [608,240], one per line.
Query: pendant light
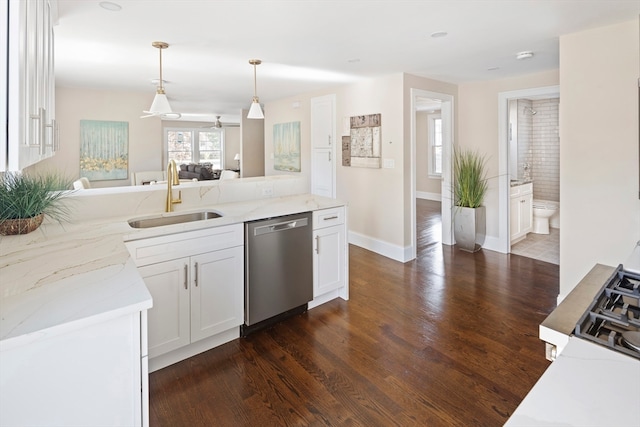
[255,112]
[160,105]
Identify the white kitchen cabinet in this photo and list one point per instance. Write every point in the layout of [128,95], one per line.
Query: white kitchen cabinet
[32,130]
[329,252]
[198,297]
[521,211]
[168,320]
[323,146]
[87,376]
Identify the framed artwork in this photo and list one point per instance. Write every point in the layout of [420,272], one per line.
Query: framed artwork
[104,150]
[286,147]
[362,147]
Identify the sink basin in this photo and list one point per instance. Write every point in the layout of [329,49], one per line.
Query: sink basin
[173,219]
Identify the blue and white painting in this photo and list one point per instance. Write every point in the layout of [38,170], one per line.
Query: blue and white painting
[104,150]
[286,147]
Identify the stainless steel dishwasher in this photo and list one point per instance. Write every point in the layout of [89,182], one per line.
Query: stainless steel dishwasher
[278,269]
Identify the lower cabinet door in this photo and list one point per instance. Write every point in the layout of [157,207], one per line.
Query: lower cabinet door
[514,218]
[168,319]
[217,292]
[328,259]
[526,215]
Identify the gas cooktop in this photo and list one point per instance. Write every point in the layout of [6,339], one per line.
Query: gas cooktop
[613,318]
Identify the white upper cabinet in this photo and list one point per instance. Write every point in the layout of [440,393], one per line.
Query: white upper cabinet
[32,130]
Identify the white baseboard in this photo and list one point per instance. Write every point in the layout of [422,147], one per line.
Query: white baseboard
[403,254]
[380,247]
[437,197]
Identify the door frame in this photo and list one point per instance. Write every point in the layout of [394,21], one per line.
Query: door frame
[447,178]
[504,241]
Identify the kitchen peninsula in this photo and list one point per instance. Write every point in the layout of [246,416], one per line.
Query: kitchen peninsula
[73,301]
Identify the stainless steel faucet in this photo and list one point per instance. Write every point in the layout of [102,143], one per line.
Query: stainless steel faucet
[172,179]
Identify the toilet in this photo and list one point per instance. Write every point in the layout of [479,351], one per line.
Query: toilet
[542,211]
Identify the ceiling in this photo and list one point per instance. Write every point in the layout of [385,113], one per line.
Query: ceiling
[308,45]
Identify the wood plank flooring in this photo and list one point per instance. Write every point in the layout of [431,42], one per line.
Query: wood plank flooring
[449,339]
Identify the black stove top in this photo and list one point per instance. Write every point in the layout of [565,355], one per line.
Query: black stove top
[613,318]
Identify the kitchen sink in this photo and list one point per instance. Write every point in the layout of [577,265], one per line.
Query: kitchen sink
[173,219]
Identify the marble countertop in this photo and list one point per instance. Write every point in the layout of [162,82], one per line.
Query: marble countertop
[587,385]
[62,276]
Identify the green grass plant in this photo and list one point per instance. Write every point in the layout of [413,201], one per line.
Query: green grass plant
[470,183]
[26,196]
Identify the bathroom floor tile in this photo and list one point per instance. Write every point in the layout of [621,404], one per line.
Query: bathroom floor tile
[545,247]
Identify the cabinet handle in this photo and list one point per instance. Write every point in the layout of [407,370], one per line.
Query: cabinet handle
[329,136]
[195,272]
[186,275]
[43,130]
[329,156]
[330,218]
[317,244]
[56,135]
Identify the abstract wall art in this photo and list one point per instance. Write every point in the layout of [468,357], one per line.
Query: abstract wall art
[104,150]
[362,147]
[286,147]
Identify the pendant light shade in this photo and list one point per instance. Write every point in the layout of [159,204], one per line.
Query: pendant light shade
[160,105]
[255,112]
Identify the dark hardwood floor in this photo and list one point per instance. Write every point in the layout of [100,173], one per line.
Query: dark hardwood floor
[450,338]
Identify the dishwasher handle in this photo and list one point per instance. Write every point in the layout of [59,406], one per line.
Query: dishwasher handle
[281,226]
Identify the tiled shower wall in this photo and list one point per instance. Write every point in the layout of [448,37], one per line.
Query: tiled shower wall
[545,169]
[525,136]
[539,145]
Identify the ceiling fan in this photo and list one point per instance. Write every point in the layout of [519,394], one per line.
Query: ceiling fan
[219,125]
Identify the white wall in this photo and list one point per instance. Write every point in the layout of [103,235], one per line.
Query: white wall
[73,105]
[600,213]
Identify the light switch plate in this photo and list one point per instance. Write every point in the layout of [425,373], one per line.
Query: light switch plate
[388,163]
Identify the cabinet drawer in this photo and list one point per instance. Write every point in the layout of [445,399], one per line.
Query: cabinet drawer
[519,190]
[328,217]
[164,248]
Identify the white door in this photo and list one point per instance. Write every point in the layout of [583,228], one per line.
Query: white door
[323,146]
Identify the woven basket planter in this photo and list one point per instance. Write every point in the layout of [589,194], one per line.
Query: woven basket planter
[10,227]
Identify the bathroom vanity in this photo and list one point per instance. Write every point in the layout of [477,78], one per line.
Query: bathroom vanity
[521,210]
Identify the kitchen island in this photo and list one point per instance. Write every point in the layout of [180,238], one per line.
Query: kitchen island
[73,310]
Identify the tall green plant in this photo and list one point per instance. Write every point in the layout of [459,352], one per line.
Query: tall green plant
[25,196]
[470,183]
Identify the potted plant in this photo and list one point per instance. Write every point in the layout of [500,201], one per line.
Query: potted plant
[26,199]
[470,187]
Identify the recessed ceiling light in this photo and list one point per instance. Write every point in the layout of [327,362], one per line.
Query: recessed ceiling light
[113,7]
[524,55]
[439,34]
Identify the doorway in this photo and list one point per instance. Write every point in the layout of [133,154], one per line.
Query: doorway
[423,100]
[507,165]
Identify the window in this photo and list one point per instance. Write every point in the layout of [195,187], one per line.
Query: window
[435,145]
[187,145]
